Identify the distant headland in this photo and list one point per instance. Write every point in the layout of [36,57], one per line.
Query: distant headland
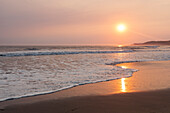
[154,43]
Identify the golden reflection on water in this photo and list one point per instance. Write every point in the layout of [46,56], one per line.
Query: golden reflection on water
[123,85]
[125,67]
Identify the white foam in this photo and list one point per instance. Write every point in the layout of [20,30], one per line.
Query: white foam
[35,75]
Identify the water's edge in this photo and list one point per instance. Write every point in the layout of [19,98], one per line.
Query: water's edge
[64,88]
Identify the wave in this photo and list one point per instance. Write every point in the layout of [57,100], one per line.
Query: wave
[40,53]
[120,62]
[131,61]
[64,88]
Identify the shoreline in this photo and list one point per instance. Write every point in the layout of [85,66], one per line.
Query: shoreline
[62,89]
[94,89]
[66,88]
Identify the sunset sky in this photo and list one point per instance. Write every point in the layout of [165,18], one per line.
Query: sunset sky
[83,21]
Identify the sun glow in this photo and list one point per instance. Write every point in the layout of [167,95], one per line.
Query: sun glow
[121,27]
[120,45]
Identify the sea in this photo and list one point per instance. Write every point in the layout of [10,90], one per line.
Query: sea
[35,70]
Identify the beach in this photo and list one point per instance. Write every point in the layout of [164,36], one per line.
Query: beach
[147,91]
[84,56]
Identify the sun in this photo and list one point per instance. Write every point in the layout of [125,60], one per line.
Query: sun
[121,27]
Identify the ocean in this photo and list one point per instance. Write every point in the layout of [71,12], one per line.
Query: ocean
[34,70]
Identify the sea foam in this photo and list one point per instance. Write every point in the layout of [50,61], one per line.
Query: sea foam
[28,73]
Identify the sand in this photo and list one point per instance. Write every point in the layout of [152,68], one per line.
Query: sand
[147,91]
[143,102]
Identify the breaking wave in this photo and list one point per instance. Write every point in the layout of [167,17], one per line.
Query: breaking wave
[40,53]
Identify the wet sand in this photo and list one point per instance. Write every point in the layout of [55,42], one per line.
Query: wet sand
[143,102]
[129,95]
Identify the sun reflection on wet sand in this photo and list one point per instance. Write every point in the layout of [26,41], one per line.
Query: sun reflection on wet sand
[123,85]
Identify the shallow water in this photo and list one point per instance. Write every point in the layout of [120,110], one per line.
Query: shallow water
[26,71]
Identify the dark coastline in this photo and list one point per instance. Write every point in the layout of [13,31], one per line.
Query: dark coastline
[154,43]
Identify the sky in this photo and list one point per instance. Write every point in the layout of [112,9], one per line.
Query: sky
[56,22]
